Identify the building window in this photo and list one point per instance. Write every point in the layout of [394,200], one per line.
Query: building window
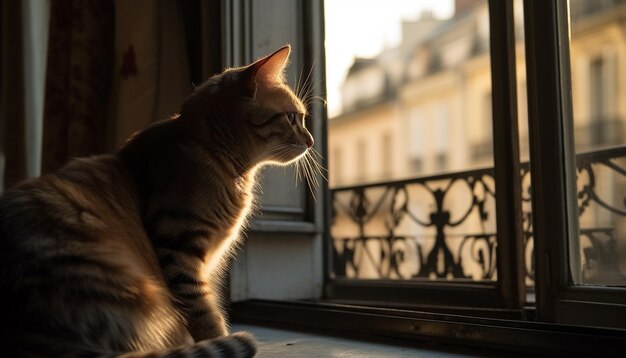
[361,160]
[337,166]
[386,155]
[597,95]
[417,164]
[441,161]
[487,116]
[417,134]
[483,147]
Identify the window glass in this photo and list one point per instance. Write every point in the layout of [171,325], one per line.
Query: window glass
[410,140]
[598,65]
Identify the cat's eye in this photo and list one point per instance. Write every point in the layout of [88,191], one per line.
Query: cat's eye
[295,116]
[292,117]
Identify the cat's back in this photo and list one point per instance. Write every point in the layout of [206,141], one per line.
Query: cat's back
[83,200]
[71,245]
[57,220]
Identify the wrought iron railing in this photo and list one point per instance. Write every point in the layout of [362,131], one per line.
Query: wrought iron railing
[443,227]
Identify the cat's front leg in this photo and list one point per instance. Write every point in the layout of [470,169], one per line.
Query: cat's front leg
[205,319]
[196,298]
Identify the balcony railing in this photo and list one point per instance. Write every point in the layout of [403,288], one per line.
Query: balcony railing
[443,227]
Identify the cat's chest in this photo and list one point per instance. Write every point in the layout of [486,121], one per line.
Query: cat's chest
[233,207]
[231,223]
[241,210]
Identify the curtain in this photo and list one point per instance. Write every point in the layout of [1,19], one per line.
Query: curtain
[151,76]
[12,135]
[78,80]
[112,68]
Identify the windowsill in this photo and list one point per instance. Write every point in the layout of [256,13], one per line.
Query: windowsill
[482,312]
[419,327]
[276,342]
[283,226]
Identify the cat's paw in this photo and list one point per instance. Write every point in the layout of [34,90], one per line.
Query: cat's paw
[246,342]
[236,345]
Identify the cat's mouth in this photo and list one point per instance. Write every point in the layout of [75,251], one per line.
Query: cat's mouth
[298,145]
[299,148]
[294,151]
[303,140]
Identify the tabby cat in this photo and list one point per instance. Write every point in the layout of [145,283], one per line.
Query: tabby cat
[122,254]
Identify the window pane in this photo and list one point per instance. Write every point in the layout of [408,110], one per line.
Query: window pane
[410,140]
[598,63]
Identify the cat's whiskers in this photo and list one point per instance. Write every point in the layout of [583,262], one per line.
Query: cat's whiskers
[298,82]
[312,181]
[301,84]
[309,173]
[282,151]
[298,174]
[304,90]
[308,167]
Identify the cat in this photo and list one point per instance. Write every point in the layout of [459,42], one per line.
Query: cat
[123,254]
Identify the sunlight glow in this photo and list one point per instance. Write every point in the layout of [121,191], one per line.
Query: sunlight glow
[363,28]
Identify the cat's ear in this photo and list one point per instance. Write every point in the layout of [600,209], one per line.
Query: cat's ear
[270,69]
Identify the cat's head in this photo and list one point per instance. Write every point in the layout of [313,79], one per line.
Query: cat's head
[252,111]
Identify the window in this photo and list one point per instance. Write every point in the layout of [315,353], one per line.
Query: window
[598,253]
[441,161]
[579,277]
[336,165]
[362,163]
[416,164]
[450,231]
[432,222]
[407,231]
[416,139]
[483,147]
[597,88]
[386,155]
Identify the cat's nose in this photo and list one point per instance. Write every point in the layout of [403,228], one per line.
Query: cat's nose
[309,140]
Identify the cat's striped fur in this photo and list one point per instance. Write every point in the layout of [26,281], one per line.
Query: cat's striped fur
[122,255]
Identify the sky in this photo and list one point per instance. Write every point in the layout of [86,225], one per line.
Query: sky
[363,28]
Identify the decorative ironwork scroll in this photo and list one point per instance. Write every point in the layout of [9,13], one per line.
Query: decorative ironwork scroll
[602,216]
[404,229]
[443,227]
